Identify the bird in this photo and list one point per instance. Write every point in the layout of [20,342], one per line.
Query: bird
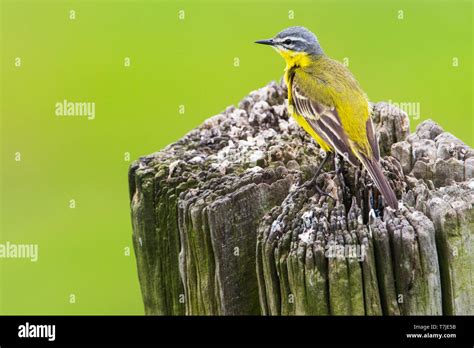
[327,101]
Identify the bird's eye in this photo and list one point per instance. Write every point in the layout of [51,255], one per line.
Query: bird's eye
[287,42]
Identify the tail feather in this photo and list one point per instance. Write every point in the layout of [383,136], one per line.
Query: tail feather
[375,171]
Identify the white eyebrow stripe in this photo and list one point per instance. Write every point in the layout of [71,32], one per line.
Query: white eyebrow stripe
[292,38]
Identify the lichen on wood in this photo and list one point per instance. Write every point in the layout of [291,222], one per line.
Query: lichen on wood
[225,222]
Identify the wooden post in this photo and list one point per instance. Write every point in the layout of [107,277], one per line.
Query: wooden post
[223,223]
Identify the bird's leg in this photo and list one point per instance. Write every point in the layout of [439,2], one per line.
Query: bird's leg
[339,173]
[325,158]
[338,168]
[315,177]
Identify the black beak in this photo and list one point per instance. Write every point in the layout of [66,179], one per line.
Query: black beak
[265,42]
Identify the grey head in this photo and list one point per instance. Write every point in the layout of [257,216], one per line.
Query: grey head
[297,39]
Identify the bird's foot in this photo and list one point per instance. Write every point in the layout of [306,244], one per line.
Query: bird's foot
[313,183]
[322,193]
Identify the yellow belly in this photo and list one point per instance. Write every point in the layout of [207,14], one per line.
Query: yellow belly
[302,122]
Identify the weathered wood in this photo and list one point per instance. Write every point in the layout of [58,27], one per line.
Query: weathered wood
[224,221]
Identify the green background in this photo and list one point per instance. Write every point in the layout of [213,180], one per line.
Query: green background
[174,62]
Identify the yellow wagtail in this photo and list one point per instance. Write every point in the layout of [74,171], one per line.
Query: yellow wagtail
[327,101]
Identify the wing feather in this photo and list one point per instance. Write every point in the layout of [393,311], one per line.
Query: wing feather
[324,120]
[374,145]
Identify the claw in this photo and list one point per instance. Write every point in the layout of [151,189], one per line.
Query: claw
[321,192]
[313,182]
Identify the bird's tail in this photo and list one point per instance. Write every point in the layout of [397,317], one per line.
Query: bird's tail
[375,171]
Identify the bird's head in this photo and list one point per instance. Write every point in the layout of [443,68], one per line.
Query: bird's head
[295,44]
